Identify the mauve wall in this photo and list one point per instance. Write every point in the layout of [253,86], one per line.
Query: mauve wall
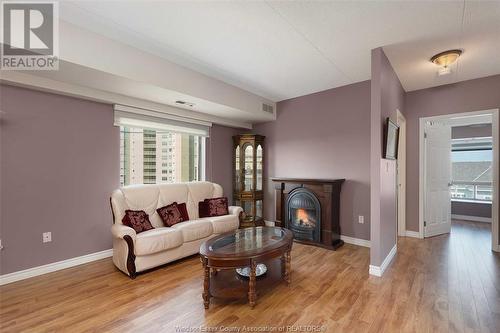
[387,96]
[59,164]
[324,135]
[220,157]
[475,209]
[465,96]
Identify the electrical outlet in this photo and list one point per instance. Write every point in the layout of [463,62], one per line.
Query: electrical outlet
[1,246]
[47,237]
[361,219]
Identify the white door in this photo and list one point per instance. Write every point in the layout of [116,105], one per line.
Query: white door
[437,216]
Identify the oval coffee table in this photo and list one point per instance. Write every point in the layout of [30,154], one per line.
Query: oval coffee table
[243,248]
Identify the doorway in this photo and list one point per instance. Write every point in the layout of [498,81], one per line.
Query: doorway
[436,182]
[401,174]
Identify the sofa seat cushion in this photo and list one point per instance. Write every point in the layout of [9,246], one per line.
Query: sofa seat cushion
[194,229]
[157,240]
[224,223]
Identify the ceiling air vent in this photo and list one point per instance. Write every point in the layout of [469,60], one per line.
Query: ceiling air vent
[267,108]
[184,103]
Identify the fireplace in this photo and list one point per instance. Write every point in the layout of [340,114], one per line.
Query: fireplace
[303,215]
[310,208]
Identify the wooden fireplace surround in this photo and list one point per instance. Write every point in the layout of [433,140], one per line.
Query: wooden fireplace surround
[328,193]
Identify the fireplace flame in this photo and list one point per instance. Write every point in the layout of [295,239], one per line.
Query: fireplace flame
[302,218]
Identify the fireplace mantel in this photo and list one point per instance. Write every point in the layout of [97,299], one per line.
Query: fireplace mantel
[327,192]
[307,180]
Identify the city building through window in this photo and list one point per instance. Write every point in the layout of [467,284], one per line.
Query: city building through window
[154,156]
[157,147]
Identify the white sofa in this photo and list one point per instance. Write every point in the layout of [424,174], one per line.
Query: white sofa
[133,253]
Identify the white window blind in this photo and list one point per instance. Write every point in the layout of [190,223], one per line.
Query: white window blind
[127,116]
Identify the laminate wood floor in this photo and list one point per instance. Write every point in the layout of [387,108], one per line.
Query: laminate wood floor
[448,283]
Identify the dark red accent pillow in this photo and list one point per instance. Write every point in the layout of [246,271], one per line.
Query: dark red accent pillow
[170,214]
[213,207]
[203,210]
[138,220]
[184,212]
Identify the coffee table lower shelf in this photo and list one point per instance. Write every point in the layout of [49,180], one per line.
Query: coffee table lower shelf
[222,254]
[229,285]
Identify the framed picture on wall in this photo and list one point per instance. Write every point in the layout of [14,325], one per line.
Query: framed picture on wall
[391,139]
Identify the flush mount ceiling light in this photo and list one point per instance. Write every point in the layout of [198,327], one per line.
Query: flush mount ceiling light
[445,59]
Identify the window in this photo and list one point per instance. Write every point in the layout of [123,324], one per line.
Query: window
[142,163]
[158,147]
[472,169]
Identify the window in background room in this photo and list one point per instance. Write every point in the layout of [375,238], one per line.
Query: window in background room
[155,156]
[472,169]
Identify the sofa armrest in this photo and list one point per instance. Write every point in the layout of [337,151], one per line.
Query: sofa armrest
[123,248]
[235,210]
[120,230]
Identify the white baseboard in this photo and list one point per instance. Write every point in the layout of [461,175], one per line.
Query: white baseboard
[379,270]
[410,233]
[471,218]
[56,266]
[347,239]
[355,241]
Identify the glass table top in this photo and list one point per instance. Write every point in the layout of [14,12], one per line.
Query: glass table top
[246,240]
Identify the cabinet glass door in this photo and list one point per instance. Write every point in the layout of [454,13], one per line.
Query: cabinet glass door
[259,168]
[248,168]
[258,209]
[248,209]
[237,179]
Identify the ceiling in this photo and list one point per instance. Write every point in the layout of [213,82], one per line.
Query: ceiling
[284,49]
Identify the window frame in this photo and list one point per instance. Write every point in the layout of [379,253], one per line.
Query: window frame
[477,144]
[199,168]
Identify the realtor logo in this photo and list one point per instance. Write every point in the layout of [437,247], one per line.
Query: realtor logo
[30,36]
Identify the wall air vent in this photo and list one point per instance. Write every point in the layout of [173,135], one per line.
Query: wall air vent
[267,108]
[184,103]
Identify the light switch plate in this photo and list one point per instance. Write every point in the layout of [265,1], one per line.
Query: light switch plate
[47,237]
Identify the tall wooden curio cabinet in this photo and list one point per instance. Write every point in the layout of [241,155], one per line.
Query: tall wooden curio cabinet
[248,167]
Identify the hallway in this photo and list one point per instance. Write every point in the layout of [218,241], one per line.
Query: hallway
[460,276]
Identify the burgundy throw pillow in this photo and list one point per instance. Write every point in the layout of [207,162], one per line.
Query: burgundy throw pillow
[184,212]
[203,210]
[170,214]
[213,207]
[138,220]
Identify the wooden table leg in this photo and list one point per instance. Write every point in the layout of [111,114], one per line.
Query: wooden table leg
[251,285]
[283,266]
[288,268]
[206,283]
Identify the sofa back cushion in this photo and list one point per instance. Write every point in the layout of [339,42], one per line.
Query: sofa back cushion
[143,197]
[199,191]
[151,197]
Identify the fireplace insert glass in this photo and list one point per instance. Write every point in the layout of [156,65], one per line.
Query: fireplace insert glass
[304,215]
